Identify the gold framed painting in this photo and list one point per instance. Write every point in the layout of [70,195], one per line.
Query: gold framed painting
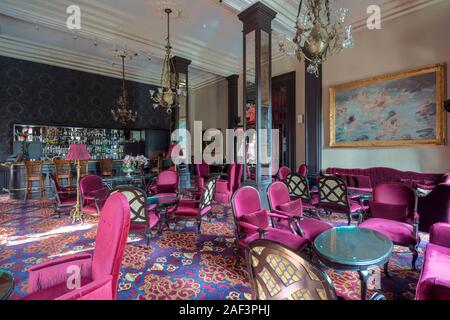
[399,109]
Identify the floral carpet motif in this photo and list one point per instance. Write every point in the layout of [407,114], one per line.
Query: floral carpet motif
[179,263]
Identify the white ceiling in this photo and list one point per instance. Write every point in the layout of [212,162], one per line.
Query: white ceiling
[209,34]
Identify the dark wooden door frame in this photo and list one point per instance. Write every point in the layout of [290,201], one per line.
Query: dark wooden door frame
[290,78]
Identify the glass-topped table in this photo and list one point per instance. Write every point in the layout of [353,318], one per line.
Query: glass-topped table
[139,180]
[163,203]
[353,248]
[6,284]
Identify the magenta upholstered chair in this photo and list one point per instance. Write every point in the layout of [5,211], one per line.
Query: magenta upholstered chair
[167,182]
[434,281]
[99,272]
[143,216]
[238,177]
[281,203]
[224,188]
[302,170]
[298,188]
[93,194]
[333,197]
[196,208]
[65,197]
[283,173]
[252,221]
[393,214]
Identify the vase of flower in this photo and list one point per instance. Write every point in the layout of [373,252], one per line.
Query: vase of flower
[133,164]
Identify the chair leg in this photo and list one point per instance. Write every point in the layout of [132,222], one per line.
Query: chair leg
[349,217]
[386,270]
[27,188]
[415,254]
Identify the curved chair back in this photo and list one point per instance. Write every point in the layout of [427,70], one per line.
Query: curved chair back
[63,170]
[238,178]
[244,201]
[106,167]
[137,198]
[90,183]
[298,187]
[283,173]
[277,194]
[112,233]
[167,182]
[397,194]
[277,273]
[333,194]
[231,177]
[302,170]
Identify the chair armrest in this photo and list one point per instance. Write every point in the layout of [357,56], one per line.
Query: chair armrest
[54,272]
[279,216]
[251,227]
[100,289]
[440,234]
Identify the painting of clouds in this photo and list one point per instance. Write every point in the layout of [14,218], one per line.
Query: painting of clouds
[400,110]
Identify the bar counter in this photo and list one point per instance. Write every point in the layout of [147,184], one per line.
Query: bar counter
[13,176]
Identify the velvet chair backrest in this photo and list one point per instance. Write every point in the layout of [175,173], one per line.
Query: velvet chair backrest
[245,201]
[90,183]
[231,177]
[278,273]
[302,170]
[238,179]
[202,169]
[283,172]
[333,194]
[396,193]
[277,194]
[137,198]
[112,233]
[167,182]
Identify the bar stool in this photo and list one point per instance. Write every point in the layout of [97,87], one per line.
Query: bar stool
[63,171]
[106,169]
[34,173]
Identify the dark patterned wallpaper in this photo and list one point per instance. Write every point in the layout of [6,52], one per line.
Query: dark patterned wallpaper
[33,93]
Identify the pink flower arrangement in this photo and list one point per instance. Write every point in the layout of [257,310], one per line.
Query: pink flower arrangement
[130,163]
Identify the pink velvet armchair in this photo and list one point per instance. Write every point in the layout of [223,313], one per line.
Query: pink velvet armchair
[281,203]
[93,194]
[393,214]
[302,170]
[167,182]
[99,272]
[434,281]
[252,221]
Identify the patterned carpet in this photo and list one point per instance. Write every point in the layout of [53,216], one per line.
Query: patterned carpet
[179,264]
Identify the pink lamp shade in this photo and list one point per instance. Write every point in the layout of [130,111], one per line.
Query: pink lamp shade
[78,152]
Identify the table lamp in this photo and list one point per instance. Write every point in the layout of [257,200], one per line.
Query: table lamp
[78,152]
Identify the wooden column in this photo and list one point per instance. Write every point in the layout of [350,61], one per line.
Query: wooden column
[313,115]
[233,101]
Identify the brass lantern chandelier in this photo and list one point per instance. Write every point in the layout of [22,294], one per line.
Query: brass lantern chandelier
[320,32]
[168,95]
[123,113]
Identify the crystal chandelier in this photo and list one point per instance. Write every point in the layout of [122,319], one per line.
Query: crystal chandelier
[320,31]
[168,95]
[123,113]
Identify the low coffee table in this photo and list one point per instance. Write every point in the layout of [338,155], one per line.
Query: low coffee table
[6,284]
[353,248]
